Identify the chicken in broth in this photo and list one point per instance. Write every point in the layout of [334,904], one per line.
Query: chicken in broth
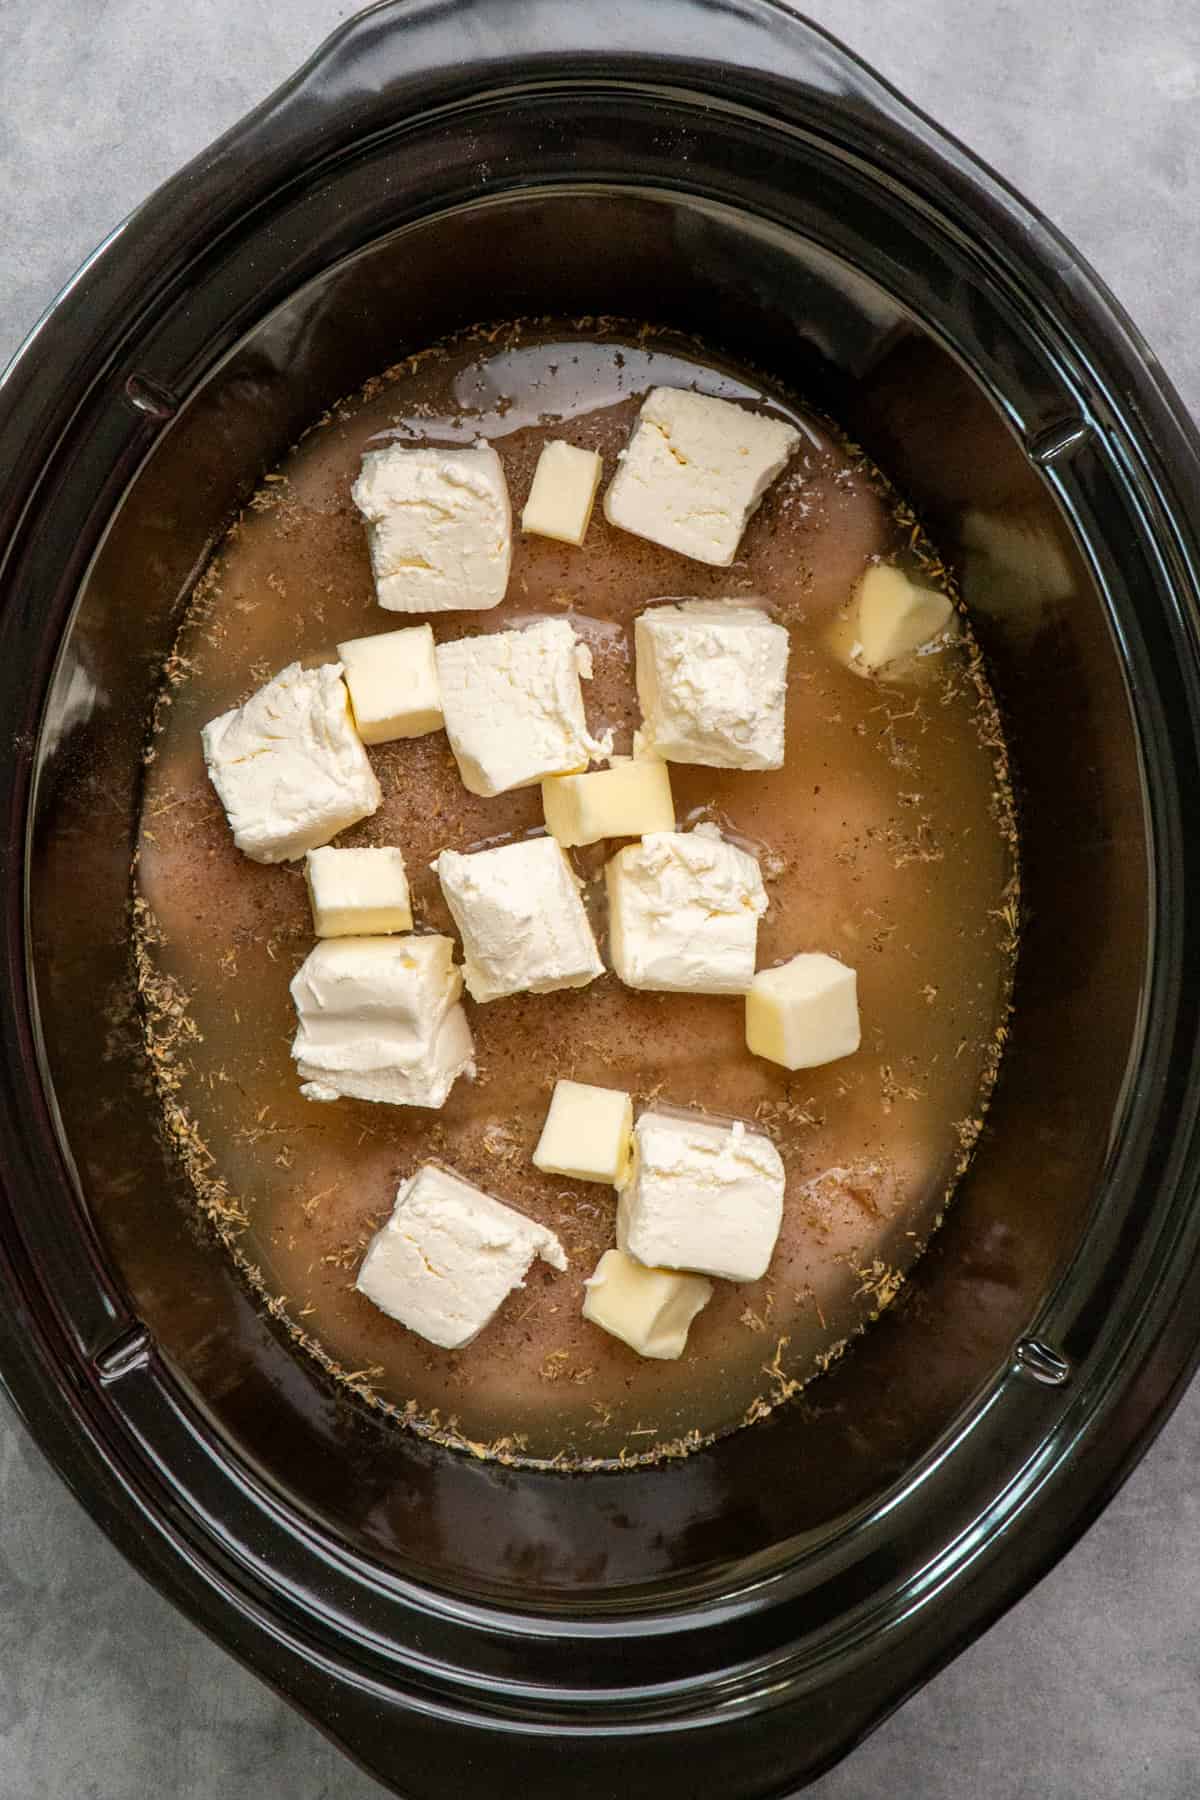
[885,841]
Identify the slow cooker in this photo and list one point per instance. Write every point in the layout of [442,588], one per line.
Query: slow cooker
[737,1620]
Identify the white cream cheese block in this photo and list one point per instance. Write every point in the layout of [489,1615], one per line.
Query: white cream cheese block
[514,707]
[651,1310]
[289,766]
[523,924]
[449,1256]
[379,1018]
[628,800]
[439,526]
[694,471]
[702,1197]
[357,893]
[683,912]
[712,684]
[587,1132]
[393,683]
[563,492]
[804,1013]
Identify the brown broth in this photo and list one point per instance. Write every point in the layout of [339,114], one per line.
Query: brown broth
[886,840]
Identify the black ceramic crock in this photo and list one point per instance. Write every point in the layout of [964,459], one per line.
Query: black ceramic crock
[732,1623]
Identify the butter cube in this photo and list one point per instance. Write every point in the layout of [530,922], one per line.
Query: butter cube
[625,801]
[380,1018]
[289,767]
[514,707]
[804,1013]
[586,1134]
[701,1196]
[523,925]
[683,912]
[439,526]
[891,616]
[648,1309]
[712,684]
[393,684]
[449,1256]
[563,492]
[694,471]
[358,893]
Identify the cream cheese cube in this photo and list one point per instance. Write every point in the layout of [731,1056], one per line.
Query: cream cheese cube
[523,925]
[683,912]
[379,1018]
[514,707]
[712,684]
[651,1310]
[439,527]
[357,893]
[587,1132]
[563,493]
[890,617]
[627,800]
[449,1256]
[804,1013]
[701,1196]
[393,683]
[694,471]
[289,766]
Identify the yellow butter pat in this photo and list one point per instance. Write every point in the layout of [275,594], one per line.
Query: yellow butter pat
[892,616]
[804,1013]
[651,1310]
[358,893]
[563,492]
[587,1132]
[625,801]
[393,683]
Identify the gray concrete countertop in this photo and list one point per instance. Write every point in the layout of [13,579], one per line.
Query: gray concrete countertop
[1090,1688]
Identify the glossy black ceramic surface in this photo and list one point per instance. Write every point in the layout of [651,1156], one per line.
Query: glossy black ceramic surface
[734,1622]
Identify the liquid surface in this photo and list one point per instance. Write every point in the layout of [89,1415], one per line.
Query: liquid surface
[886,841]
